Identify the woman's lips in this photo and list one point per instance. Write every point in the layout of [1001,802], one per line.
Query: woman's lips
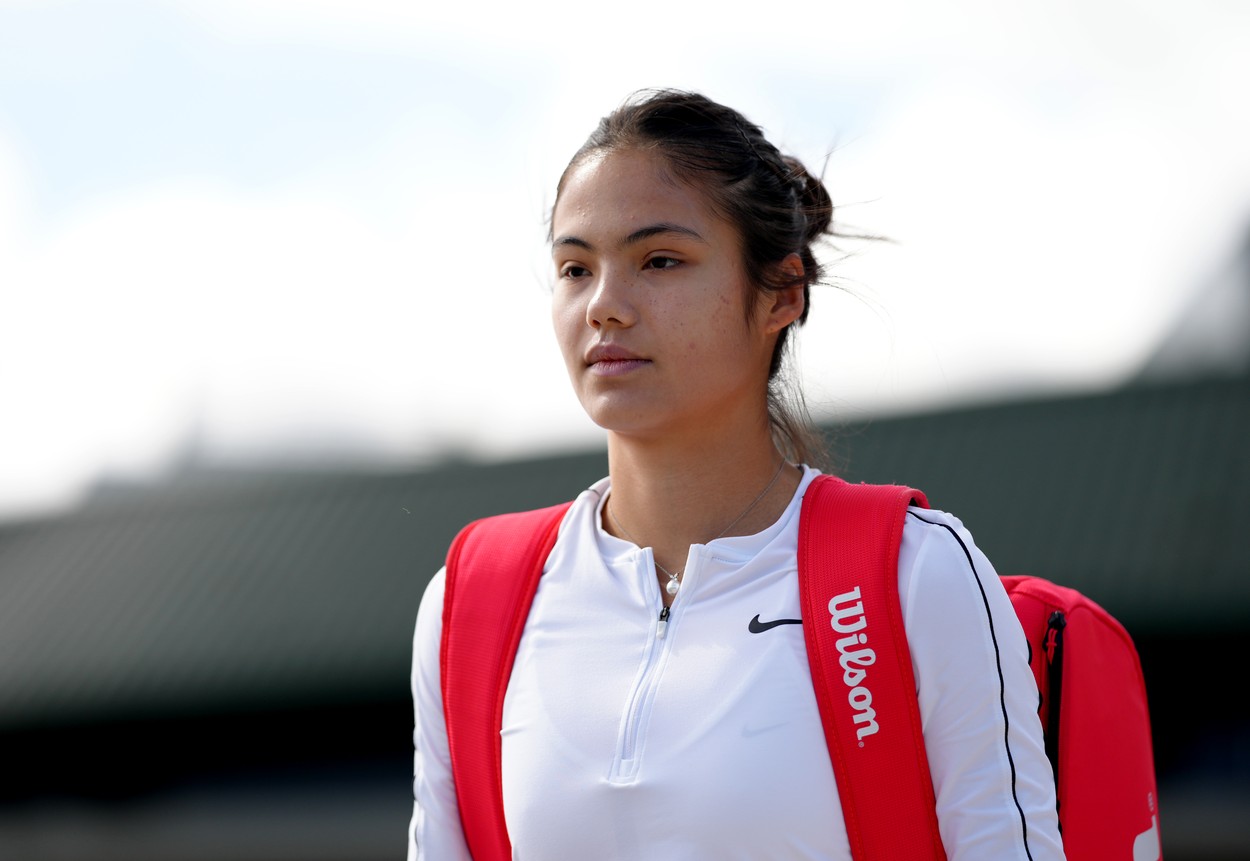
[608,360]
[616,367]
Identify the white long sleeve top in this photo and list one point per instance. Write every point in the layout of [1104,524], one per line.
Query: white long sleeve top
[701,739]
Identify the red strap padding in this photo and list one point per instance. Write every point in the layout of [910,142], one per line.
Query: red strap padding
[498,562]
[849,537]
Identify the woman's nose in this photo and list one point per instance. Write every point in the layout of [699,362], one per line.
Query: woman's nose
[611,303]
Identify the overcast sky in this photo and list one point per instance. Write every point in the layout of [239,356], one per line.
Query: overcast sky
[276,230]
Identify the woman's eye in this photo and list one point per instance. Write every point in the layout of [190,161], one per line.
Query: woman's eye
[661,262]
[573,271]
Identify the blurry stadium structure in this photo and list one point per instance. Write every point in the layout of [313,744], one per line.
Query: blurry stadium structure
[217,667]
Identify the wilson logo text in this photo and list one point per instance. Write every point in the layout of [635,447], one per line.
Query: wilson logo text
[846,613]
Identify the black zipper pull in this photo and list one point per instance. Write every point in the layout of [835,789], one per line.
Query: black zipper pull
[660,628]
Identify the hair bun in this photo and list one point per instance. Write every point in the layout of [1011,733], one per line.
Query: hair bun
[813,198]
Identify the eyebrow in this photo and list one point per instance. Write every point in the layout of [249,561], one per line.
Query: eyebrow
[662,228]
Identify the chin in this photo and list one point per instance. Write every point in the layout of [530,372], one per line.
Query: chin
[614,416]
[632,424]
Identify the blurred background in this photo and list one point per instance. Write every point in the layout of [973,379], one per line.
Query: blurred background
[273,324]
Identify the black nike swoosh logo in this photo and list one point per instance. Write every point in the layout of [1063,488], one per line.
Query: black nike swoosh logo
[758,627]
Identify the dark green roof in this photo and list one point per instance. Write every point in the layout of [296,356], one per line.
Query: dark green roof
[255,588]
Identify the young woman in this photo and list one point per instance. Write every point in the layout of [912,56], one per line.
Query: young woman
[643,717]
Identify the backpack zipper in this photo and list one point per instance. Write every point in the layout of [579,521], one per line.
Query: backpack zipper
[1054,685]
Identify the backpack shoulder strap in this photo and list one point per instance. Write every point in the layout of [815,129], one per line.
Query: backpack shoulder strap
[849,536]
[493,569]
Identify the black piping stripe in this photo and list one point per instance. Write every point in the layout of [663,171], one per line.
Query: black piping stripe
[1002,685]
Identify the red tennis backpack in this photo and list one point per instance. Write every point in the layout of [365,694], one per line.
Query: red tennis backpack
[1092,705]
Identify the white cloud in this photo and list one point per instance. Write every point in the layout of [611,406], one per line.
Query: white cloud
[265,325]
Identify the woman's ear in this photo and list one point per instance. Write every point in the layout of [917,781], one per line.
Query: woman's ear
[785,305]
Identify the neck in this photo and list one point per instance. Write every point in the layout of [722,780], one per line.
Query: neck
[670,494]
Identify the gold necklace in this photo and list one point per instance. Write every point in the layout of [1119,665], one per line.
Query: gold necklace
[674,578]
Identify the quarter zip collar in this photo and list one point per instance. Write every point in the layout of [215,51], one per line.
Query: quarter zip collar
[735,549]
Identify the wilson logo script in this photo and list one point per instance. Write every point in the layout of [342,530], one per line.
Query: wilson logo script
[854,656]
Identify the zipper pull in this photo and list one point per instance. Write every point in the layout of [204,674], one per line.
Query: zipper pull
[663,625]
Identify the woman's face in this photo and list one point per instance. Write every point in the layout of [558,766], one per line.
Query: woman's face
[649,304]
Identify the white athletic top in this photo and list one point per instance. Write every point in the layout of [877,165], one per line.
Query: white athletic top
[705,742]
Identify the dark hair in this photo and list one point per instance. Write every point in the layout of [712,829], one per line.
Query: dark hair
[777,207]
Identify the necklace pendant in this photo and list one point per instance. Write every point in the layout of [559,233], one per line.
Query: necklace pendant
[672,586]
